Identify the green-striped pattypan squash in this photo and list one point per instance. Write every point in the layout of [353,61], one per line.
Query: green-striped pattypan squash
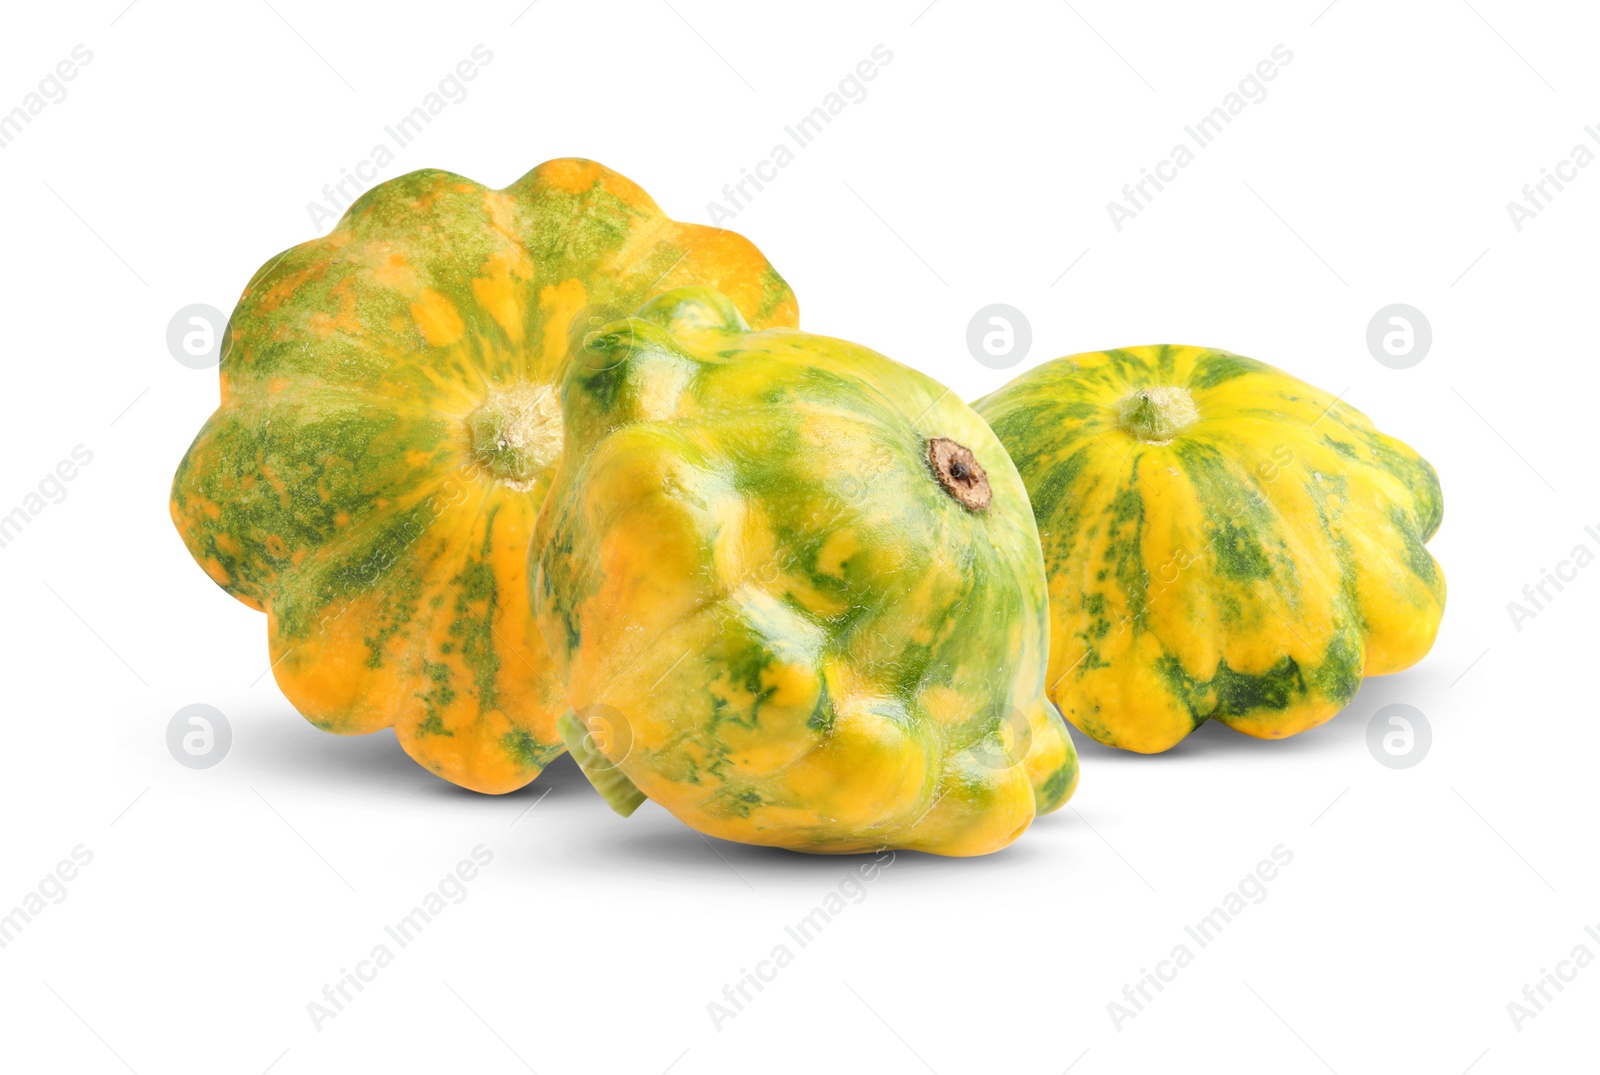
[1223,541]
[796,592]
[388,427]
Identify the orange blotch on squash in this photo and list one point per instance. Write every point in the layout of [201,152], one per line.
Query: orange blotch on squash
[393,271]
[441,325]
[283,289]
[329,677]
[497,291]
[472,756]
[569,174]
[218,573]
[628,192]
[560,303]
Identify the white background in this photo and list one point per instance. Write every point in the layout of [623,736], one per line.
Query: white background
[977,170]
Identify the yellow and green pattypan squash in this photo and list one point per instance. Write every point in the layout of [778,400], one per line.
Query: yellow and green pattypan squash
[1223,541]
[388,427]
[796,592]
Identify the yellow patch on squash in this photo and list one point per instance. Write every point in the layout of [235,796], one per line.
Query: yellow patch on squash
[569,174]
[438,319]
[499,292]
[560,303]
[836,552]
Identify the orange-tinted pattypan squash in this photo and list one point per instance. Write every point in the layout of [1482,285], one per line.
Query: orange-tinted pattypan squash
[1223,541]
[796,592]
[388,427]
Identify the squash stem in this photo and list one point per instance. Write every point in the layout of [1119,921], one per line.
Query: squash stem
[1156,415]
[516,434]
[617,790]
[959,471]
